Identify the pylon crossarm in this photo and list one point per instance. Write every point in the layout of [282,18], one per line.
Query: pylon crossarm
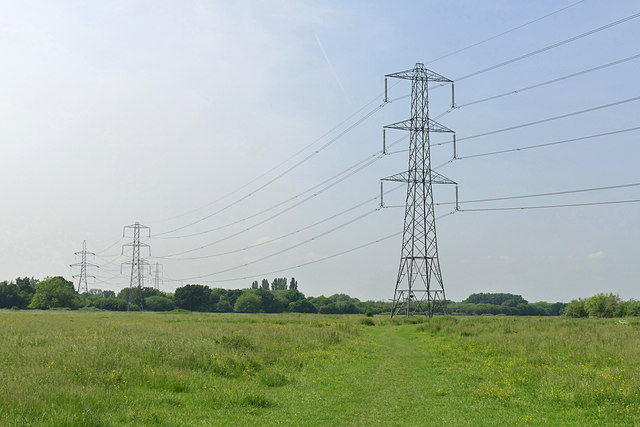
[427,125]
[436,178]
[419,73]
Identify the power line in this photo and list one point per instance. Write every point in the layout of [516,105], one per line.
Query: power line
[562,116]
[526,196]
[505,32]
[281,163]
[287,234]
[109,247]
[277,214]
[513,208]
[569,76]
[537,122]
[330,142]
[553,46]
[328,257]
[358,218]
[370,158]
[548,144]
[381,106]
[555,193]
[373,112]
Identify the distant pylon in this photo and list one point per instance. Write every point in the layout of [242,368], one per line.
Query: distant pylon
[83,264]
[419,287]
[157,275]
[137,262]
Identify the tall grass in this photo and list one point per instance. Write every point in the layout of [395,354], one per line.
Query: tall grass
[92,368]
[566,364]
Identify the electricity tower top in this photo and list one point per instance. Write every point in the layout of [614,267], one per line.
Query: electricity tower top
[419,287]
[83,264]
[137,262]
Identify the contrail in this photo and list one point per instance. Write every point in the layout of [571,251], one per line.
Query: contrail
[333,71]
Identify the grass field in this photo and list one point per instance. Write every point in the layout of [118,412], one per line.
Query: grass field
[108,368]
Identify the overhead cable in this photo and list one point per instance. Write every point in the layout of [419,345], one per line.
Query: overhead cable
[505,32]
[515,208]
[272,180]
[325,258]
[553,46]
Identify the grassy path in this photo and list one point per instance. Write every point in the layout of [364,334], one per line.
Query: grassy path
[417,378]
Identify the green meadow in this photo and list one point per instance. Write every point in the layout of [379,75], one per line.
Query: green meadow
[91,368]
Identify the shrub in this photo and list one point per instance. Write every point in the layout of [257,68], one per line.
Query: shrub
[248,302]
[367,321]
[55,292]
[302,306]
[158,303]
[575,309]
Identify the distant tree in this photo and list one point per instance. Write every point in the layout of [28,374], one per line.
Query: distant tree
[602,305]
[269,304]
[248,302]
[216,295]
[193,298]
[293,284]
[575,309]
[108,294]
[629,308]
[254,285]
[302,306]
[27,285]
[279,284]
[495,298]
[10,296]
[265,284]
[223,306]
[110,303]
[291,295]
[232,295]
[55,292]
[158,303]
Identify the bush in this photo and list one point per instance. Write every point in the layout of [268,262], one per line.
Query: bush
[55,292]
[158,303]
[575,309]
[368,313]
[602,305]
[248,302]
[302,306]
[367,321]
[224,306]
[113,304]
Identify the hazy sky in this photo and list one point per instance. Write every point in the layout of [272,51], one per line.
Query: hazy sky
[162,112]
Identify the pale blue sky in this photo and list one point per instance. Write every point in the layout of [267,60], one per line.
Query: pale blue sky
[124,111]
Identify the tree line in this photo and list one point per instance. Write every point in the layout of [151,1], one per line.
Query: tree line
[280,296]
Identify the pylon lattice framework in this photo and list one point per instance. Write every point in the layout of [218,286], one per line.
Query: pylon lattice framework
[419,287]
[157,275]
[83,264]
[137,263]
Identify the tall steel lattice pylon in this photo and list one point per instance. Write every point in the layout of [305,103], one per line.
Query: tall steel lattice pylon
[419,287]
[137,263]
[83,264]
[157,275]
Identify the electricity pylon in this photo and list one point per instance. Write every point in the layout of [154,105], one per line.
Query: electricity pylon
[157,275]
[137,262]
[83,264]
[419,287]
